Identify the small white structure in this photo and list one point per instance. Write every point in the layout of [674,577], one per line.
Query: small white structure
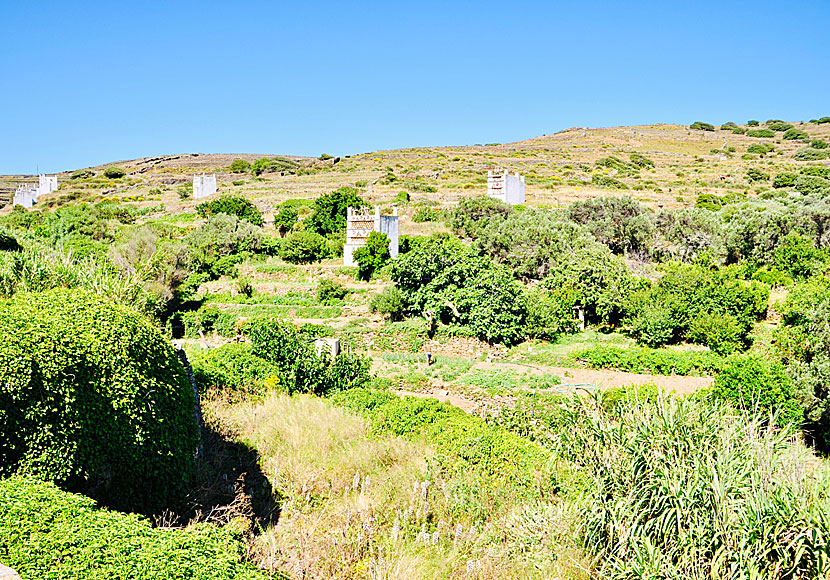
[362,222]
[47,184]
[506,186]
[26,196]
[203,185]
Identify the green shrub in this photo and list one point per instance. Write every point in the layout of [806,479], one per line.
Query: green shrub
[779,126]
[329,291]
[303,247]
[729,126]
[654,326]
[784,180]
[761,133]
[82,174]
[426,214]
[231,205]
[388,303]
[95,399]
[114,172]
[818,144]
[273,164]
[796,134]
[372,257]
[772,277]
[300,369]
[234,368]
[720,331]
[798,257]
[402,197]
[709,201]
[816,170]
[285,219]
[739,131]
[752,382]
[700,125]
[604,181]
[653,361]
[641,161]
[810,154]
[755,175]
[330,210]
[473,214]
[753,123]
[812,185]
[50,534]
[760,148]
[549,313]
[240,166]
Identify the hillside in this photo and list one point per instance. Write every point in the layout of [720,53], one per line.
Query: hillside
[558,169]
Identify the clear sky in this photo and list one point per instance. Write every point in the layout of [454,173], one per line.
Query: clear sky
[85,83]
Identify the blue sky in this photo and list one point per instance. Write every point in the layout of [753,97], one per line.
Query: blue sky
[86,83]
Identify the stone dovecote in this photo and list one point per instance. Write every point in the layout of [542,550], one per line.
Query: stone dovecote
[360,222]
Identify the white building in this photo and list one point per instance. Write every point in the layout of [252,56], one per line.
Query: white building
[362,222]
[203,185]
[26,196]
[47,184]
[506,186]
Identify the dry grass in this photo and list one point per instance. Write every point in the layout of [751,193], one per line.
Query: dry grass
[357,506]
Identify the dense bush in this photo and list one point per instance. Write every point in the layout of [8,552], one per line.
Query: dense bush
[739,130]
[330,210]
[605,181]
[221,237]
[50,534]
[779,126]
[753,382]
[426,214]
[231,205]
[784,180]
[760,148]
[753,123]
[373,256]
[700,125]
[94,399]
[798,257]
[444,280]
[812,185]
[818,144]
[82,174]
[299,368]
[761,133]
[240,166]
[641,161]
[810,154]
[302,247]
[754,175]
[620,223]
[475,213]
[549,313]
[653,361]
[331,291]
[388,303]
[114,172]
[796,134]
[234,368]
[729,126]
[273,164]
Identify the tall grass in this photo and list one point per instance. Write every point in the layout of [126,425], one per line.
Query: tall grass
[361,504]
[685,488]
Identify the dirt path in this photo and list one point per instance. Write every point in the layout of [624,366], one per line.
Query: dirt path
[606,378]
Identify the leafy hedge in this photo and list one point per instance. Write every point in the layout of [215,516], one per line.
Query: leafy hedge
[650,360]
[231,205]
[49,534]
[233,367]
[94,398]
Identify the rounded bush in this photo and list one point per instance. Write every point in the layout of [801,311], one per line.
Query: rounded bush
[303,247]
[114,172]
[750,382]
[94,398]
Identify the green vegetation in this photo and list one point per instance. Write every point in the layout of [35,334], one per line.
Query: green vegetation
[651,360]
[761,133]
[702,126]
[330,210]
[114,172]
[303,247]
[96,400]
[373,256]
[53,535]
[231,205]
